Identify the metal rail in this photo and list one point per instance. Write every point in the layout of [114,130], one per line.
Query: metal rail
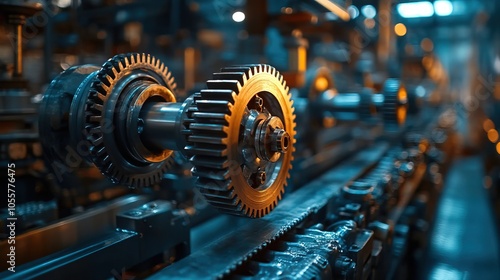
[231,250]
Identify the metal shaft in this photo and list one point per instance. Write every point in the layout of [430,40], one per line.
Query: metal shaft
[349,106]
[162,125]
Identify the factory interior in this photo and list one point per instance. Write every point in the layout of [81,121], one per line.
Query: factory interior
[238,139]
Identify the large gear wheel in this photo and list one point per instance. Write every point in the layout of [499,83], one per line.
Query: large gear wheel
[243,135]
[118,90]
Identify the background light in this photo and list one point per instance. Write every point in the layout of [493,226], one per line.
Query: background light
[443,7]
[353,11]
[369,11]
[493,135]
[416,9]
[62,3]
[400,29]
[238,16]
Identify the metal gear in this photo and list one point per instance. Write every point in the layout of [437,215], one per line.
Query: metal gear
[395,103]
[116,95]
[243,135]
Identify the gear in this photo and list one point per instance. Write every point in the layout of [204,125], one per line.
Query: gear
[117,92]
[242,139]
[395,103]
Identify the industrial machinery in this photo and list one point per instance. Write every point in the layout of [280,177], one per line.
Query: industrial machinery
[298,140]
[123,117]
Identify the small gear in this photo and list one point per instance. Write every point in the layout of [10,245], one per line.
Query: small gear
[395,103]
[120,88]
[242,139]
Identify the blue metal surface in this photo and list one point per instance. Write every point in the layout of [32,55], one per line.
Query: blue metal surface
[464,241]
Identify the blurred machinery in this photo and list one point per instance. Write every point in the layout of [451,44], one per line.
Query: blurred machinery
[233,139]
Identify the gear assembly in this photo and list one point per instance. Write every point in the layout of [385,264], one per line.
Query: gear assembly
[123,117]
[145,139]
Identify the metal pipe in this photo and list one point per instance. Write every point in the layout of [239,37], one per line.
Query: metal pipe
[350,106]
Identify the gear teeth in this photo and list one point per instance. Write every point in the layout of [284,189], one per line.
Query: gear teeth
[208,127]
[233,85]
[210,162]
[221,94]
[206,139]
[391,102]
[102,85]
[191,150]
[212,174]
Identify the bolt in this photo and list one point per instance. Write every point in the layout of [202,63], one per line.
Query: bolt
[280,140]
[260,177]
[259,102]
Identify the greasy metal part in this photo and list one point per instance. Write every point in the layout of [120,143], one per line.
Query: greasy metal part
[139,235]
[258,234]
[314,254]
[88,225]
[242,126]
[115,85]
[92,114]
[56,113]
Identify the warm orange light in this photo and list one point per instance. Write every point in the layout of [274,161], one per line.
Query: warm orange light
[400,29]
[321,84]
[488,124]
[498,148]
[401,114]
[329,122]
[493,135]
[402,95]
